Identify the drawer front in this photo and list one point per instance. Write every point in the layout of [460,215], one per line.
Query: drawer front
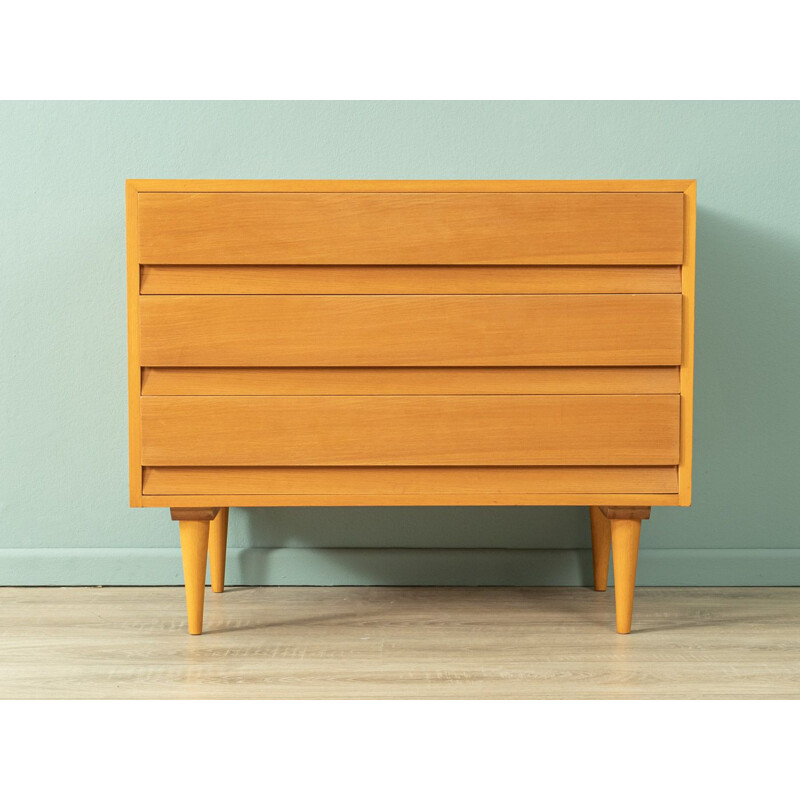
[261,279]
[420,430]
[410,228]
[408,380]
[403,481]
[410,330]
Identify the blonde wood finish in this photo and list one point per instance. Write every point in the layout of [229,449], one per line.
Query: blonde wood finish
[625,548]
[406,480]
[601,547]
[444,342]
[408,380]
[626,512]
[217,547]
[143,185]
[134,361]
[687,358]
[138,188]
[411,330]
[399,642]
[219,279]
[410,228]
[194,547]
[193,513]
[428,430]
[548,498]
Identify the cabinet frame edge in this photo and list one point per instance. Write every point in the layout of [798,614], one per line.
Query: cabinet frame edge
[133,187]
[687,357]
[406,186]
[134,368]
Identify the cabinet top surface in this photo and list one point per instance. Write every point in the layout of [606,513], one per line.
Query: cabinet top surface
[157,185]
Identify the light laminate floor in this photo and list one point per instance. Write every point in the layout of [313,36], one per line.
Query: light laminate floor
[346,642]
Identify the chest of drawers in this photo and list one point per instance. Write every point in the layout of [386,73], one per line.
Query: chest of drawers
[296,343]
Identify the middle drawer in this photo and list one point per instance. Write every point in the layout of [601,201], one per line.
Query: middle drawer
[434,430]
[410,330]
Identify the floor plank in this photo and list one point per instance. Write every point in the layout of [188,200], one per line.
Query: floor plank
[389,642]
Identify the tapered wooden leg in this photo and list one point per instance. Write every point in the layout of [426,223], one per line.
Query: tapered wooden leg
[626,524]
[601,547]
[194,547]
[194,527]
[625,543]
[217,544]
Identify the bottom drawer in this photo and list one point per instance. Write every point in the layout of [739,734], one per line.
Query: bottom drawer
[424,430]
[406,480]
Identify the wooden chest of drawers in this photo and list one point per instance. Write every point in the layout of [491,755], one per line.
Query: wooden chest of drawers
[296,343]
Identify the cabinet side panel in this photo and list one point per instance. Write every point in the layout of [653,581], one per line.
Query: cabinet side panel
[134,370]
[687,357]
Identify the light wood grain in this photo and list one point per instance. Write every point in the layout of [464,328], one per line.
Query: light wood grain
[217,549]
[194,548]
[548,498]
[601,547]
[217,279]
[134,370]
[428,430]
[411,330]
[410,228]
[387,206]
[687,358]
[408,380]
[407,480]
[625,535]
[254,185]
[190,512]
[625,512]
[394,642]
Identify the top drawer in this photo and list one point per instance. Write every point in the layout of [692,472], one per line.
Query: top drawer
[410,228]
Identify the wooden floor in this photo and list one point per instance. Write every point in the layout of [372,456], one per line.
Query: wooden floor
[345,642]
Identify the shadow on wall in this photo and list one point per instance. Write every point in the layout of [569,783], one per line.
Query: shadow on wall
[746,437]
[356,535]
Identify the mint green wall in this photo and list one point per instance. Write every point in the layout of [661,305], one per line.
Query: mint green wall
[63,459]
